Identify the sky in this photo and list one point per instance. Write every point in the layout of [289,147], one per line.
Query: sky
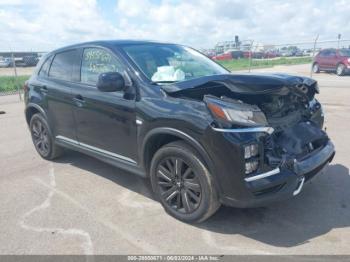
[43,25]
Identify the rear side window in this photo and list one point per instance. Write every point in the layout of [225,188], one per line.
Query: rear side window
[332,53]
[324,53]
[45,67]
[65,66]
[97,61]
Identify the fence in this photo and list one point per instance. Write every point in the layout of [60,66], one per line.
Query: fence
[16,67]
[251,54]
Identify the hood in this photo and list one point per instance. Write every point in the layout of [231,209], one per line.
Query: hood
[249,84]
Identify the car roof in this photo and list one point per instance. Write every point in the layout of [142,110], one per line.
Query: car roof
[109,43]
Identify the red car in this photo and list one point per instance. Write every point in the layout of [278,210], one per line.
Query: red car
[336,60]
[229,55]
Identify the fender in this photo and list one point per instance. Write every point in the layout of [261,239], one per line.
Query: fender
[184,136]
[36,106]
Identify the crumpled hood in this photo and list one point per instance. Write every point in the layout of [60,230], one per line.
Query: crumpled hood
[249,84]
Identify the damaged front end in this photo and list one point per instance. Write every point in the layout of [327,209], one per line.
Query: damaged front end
[281,109]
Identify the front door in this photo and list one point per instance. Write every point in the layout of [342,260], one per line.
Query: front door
[105,121]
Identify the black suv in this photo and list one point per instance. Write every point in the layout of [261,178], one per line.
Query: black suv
[203,136]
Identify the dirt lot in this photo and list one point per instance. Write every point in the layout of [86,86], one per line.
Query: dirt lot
[79,205]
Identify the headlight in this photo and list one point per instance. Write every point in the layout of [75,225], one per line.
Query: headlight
[235,112]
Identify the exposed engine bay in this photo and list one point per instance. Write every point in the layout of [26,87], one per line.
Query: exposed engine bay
[286,103]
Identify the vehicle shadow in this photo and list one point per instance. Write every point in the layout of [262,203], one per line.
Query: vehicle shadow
[121,177]
[323,205]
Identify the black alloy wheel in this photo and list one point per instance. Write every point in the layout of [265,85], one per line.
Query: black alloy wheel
[179,185]
[183,184]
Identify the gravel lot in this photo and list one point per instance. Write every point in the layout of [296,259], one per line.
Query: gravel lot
[79,205]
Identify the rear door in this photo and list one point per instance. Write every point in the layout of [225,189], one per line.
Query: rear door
[332,59]
[105,120]
[322,59]
[62,73]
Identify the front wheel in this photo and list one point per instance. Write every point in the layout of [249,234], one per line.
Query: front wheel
[316,68]
[340,69]
[182,183]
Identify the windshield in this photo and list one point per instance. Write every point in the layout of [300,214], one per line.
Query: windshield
[167,63]
[344,52]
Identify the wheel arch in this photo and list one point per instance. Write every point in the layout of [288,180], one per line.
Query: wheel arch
[160,136]
[32,109]
[315,63]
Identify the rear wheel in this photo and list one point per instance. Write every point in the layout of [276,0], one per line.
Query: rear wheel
[316,68]
[340,69]
[42,138]
[182,183]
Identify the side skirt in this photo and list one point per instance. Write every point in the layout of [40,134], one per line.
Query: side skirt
[105,156]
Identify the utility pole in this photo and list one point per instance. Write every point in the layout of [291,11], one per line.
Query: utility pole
[313,54]
[250,54]
[339,36]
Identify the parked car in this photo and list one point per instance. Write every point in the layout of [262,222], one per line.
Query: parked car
[298,53]
[258,55]
[229,55]
[270,54]
[203,136]
[29,60]
[5,62]
[333,60]
[222,57]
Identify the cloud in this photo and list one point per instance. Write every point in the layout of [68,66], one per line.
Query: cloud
[56,23]
[203,23]
[44,25]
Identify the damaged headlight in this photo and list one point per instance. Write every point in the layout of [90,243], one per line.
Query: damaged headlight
[236,112]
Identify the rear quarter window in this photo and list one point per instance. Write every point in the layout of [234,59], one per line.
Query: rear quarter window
[44,70]
[65,66]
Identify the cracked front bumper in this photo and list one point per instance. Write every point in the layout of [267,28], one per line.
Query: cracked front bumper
[283,183]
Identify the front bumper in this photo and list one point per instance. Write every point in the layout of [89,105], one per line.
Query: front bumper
[282,182]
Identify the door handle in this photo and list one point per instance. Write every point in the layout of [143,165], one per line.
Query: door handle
[44,89]
[79,100]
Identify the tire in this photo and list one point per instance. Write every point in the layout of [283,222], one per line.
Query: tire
[315,68]
[340,70]
[42,138]
[183,184]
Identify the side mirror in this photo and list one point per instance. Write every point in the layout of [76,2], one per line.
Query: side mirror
[110,82]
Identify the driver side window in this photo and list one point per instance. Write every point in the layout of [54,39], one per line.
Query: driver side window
[95,62]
